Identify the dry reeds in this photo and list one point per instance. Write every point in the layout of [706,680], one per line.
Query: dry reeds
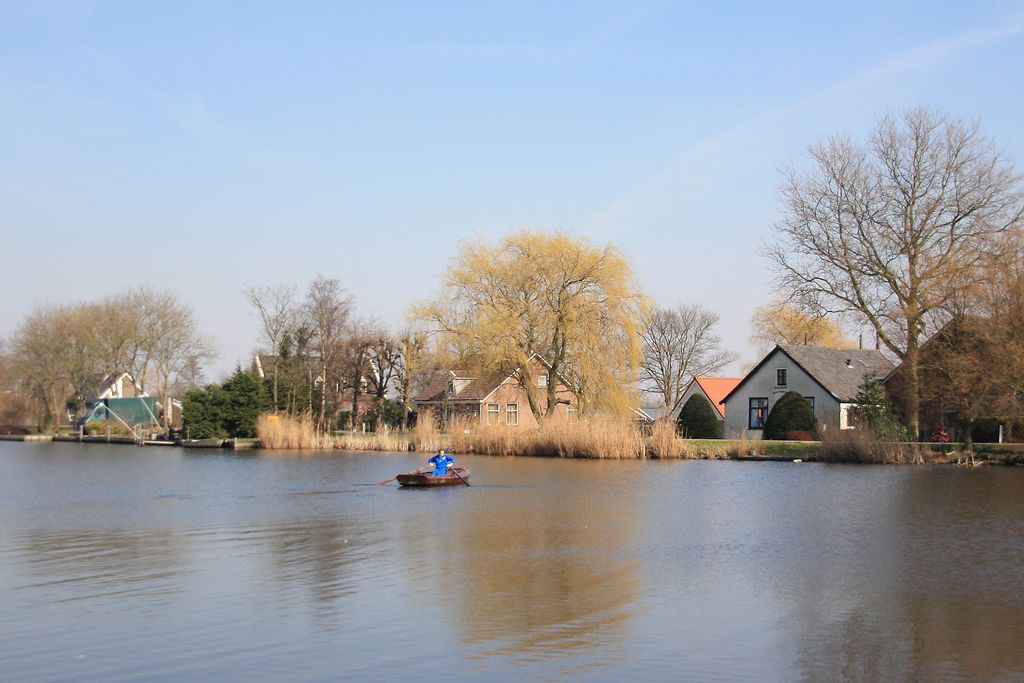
[426,436]
[612,438]
[381,440]
[665,441]
[861,446]
[286,432]
[588,437]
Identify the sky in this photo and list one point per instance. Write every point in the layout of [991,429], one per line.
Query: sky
[202,147]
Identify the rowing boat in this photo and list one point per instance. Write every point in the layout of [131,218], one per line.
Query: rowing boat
[428,479]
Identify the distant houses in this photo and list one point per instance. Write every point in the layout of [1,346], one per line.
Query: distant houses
[828,378]
[490,396]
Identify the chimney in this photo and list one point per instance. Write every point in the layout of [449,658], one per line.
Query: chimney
[860,341]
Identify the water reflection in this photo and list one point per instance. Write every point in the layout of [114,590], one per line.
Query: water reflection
[152,564]
[907,588]
[543,573]
[314,557]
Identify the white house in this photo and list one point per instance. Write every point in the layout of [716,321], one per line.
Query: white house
[827,378]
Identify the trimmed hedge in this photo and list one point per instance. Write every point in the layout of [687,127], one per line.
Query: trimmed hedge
[791,418]
[698,420]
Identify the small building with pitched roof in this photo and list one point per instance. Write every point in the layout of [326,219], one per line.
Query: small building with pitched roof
[828,378]
[713,389]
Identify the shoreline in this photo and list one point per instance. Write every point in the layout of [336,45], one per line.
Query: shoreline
[1010,455]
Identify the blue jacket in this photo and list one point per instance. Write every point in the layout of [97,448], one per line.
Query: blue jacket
[441,464]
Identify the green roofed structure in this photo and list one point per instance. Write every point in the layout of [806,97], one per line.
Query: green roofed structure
[132,411]
[119,399]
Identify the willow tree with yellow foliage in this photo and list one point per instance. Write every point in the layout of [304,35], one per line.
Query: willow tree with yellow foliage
[573,303]
[779,322]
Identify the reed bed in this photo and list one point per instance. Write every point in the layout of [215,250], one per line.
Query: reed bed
[861,446]
[426,435]
[286,432]
[589,437]
[667,444]
[383,439]
[607,438]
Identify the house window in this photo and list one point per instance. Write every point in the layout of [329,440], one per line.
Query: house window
[780,377]
[571,411]
[758,412]
[493,409]
[542,381]
[512,413]
[810,400]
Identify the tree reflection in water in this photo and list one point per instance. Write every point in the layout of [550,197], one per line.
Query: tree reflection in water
[907,589]
[538,573]
[315,556]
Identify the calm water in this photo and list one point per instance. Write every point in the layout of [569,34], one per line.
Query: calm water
[120,563]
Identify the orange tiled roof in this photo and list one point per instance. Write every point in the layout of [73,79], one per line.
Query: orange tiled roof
[717,388]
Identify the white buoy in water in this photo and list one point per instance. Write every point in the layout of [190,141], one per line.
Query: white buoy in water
[797,460]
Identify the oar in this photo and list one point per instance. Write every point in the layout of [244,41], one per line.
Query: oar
[460,477]
[416,471]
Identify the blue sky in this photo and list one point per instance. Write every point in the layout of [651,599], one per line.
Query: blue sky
[204,146]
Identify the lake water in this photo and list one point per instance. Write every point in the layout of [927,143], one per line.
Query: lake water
[119,563]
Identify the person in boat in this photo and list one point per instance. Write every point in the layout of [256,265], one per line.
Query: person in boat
[442,462]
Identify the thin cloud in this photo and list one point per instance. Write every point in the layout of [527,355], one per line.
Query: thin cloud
[694,166]
[543,53]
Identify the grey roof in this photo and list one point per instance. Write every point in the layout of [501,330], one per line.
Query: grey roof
[840,371]
[656,412]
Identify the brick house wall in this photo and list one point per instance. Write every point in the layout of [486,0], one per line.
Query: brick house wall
[509,405]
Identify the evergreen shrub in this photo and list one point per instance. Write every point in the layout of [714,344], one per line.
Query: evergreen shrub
[698,420]
[791,418]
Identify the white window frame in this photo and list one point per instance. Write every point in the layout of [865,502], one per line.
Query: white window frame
[542,381]
[785,377]
[512,413]
[493,411]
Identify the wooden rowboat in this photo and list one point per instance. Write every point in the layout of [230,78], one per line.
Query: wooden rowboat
[428,479]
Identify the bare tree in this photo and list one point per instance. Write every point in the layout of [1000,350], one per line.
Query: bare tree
[67,350]
[409,366]
[889,231]
[357,361]
[53,360]
[115,334]
[278,309]
[678,344]
[296,364]
[174,345]
[328,309]
[38,362]
[82,368]
[14,406]
[385,356]
[974,367]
